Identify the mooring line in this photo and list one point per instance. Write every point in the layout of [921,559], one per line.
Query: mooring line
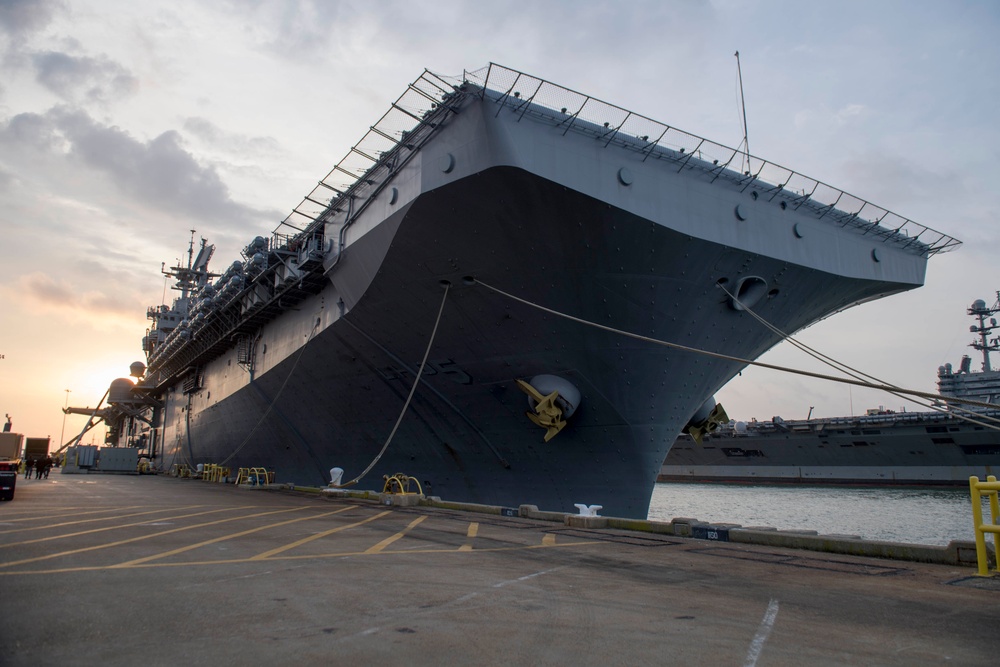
[727,357]
[413,390]
[954,411]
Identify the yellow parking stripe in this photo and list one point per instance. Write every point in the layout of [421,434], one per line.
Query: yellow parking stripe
[223,538]
[124,525]
[389,540]
[36,515]
[272,552]
[342,554]
[47,526]
[145,537]
[471,534]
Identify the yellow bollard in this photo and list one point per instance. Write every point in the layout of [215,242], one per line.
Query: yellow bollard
[976,489]
[995,516]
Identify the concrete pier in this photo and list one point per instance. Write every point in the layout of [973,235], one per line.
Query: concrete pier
[125,570]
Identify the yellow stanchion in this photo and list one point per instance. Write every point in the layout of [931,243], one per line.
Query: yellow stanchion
[180,470]
[400,484]
[979,489]
[253,476]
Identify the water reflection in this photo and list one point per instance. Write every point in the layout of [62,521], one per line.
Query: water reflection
[911,515]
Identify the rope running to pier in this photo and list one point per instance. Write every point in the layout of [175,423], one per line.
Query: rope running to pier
[954,411]
[413,390]
[676,346]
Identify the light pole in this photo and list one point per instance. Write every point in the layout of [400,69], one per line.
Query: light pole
[62,433]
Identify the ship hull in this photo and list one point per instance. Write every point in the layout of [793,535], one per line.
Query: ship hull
[488,191]
[333,399]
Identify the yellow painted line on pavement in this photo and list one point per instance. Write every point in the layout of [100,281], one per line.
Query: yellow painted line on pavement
[343,554]
[549,540]
[48,526]
[389,540]
[37,514]
[124,525]
[519,547]
[223,538]
[145,537]
[268,554]
[471,534]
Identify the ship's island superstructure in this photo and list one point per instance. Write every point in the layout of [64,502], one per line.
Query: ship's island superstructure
[472,201]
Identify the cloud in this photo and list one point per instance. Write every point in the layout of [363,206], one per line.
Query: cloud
[238,144]
[64,295]
[71,77]
[850,112]
[21,18]
[43,288]
[300,28]
[7,180]
[896,180]
[31,131]
[156,174]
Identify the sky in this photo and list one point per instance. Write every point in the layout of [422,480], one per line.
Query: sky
[124,125]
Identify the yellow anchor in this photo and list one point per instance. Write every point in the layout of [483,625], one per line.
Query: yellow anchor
[715,419]
[546,413]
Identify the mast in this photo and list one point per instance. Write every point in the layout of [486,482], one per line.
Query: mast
[980,311]
[195,274]
[743,104]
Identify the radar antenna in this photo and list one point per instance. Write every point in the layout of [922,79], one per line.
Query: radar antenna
[195,275]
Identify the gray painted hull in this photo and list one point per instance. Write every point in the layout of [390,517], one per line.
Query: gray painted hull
[465,437]
[565,219]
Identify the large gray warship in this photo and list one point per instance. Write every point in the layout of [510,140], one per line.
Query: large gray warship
[941,447]
[471,205]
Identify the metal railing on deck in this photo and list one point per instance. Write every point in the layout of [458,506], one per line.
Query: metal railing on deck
[411,120]
[572,111]
[979,489]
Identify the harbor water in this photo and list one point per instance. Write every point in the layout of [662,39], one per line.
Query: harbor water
[909,515]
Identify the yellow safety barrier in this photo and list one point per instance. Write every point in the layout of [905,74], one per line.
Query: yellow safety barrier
[254,476]
[213,472]
[180,470]
[979,489]
[400,484]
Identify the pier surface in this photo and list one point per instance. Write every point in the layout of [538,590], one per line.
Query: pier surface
[126,570]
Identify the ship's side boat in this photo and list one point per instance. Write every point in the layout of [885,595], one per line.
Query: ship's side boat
[471,204]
